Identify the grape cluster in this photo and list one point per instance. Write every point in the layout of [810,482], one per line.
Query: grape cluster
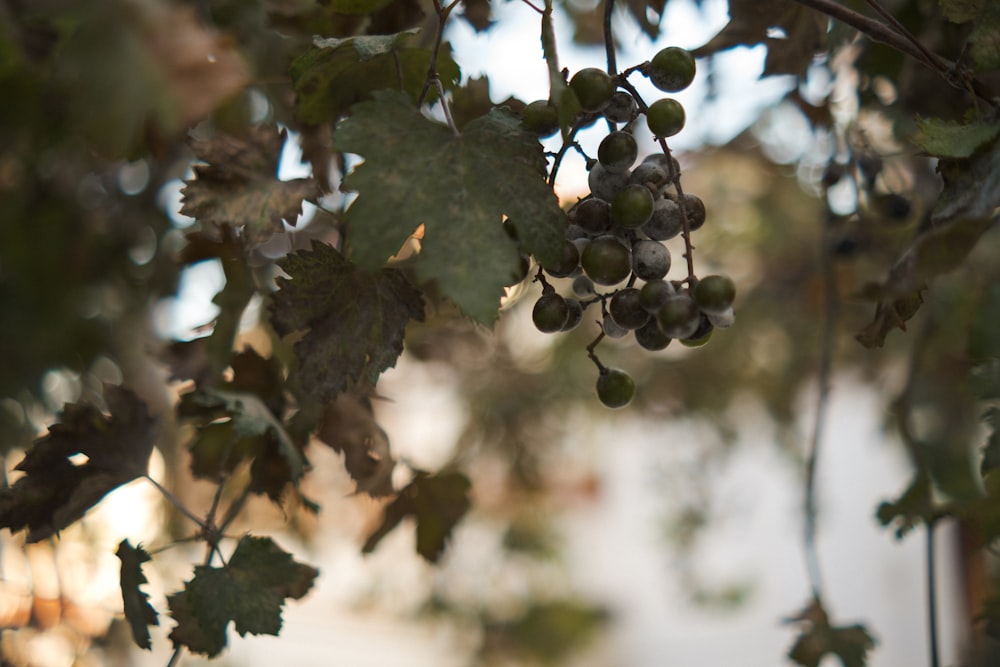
[614,247]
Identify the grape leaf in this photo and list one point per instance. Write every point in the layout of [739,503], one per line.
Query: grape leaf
[138,612]
[250,591]
[751,23]
[437,502]
[337,73]
[942,138]
[348,426]
[57,489]
[914,506]
[354,320]
[417,172]
[818,639]
[240,185]
[961,11]
[984,40]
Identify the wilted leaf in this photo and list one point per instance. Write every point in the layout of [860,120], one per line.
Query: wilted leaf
[417,172]
[250,591]
[239,186]
[914,507]
[436,502]
[162,68]
[349,427]
[750,22]
[354,320]
[818,639]
[337,73]
[57,488]
[138,612]
[942,138]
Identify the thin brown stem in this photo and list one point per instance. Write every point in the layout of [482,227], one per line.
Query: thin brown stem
[609,39]
[442,13]
[173,500]
[534,6]
[444,106]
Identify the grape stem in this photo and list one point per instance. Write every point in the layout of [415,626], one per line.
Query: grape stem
[432,78]
[609,40]
[593,355]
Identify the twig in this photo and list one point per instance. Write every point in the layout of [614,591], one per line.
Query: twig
[609,40]
[444,106]
[432,75]
[932,631]
[534,6]
[175,502]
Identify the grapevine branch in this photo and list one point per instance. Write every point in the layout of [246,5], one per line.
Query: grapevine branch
[432,78]
[609,40]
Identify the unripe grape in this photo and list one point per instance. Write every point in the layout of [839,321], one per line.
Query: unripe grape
[550,313]
[679,316]
[671,70]
[617,152]
[650,337]
[615,387]
[606,261]
[540,117]
[715,294]
[621,108]
[701,334]
[632,207]
[593,88]
[665,117]
[568,262]
[665,223]
[650,260]
[654,294]
[593,215]
[605,184]
[626,310]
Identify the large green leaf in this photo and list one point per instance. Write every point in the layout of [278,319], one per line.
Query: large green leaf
[459,187]
[354,319]
[336,73]
[249,591]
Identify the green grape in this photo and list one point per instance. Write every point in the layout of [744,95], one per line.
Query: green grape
[650,260]
[701,334]
[650,337]
[615,387]
[654,294]
[575,315]
[665,117]
[550,313]
[694,207]
[632,207]
[621,108]
[568,262]
[593,215]
[666,221]
[593,88]
[606,261]
[679,316]
[671,70]
[648,173]
[617,152]
[541,118]
[626,310]
[715,294]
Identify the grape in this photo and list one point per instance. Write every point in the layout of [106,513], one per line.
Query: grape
[593,215]
[665,223]
[550,313]
[605,184]
[621,108]
[606,261]
[541,118]
[632,207]
[611,328]
[694,207]
[615,387]
[617,152]
[722,320]
[648,172]
[650,337]
[671,70]
[679,316]
[593,88]
[665,117]
[575,315]
[568,262]
[701,334]
[650,260]
[715,294]
[626,310]
[654,294]
[583,287]
[664,163]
